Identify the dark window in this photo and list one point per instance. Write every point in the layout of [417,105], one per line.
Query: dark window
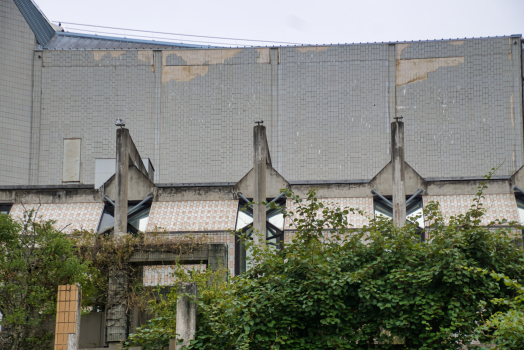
[274,232]
[137,217]
[5,208]
[520,211]
[413,209]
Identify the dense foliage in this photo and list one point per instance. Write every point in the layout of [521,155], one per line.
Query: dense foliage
[35,259]
[333,287]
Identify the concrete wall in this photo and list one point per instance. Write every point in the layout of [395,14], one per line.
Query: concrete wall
[327,109]
[17,43]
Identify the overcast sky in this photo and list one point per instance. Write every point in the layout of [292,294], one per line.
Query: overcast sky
[300,21]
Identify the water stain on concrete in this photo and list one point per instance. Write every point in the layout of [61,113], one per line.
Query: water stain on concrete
[97,55]
[182,73]
[411,71]
[311,48]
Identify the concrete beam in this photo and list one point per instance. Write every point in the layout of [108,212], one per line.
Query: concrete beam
[399,183]
[186,312]
[259,167]
[122,179]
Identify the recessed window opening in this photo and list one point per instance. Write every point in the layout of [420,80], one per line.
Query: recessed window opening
[137,216]
[5,208]
[414,208]
[274,231]
[520,211]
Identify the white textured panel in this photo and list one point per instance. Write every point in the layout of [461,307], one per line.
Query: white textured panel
[187,216]
[357,220]
[499,206]
[68,217]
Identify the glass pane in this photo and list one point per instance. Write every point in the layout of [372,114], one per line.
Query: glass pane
[520,209]
[140,218]
[277,220]
[415,209]
[243,219]
[107,221]
[383,209]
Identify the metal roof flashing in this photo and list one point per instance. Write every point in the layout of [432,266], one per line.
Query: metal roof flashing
[36,20]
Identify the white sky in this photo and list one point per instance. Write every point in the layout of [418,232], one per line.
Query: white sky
[304,21]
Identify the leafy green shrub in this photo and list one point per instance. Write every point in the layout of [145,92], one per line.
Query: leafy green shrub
[35,259]
[334,287]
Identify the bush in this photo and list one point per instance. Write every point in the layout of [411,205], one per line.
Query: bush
[35,259]
[353,289]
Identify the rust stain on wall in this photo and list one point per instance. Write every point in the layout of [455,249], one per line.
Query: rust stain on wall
[512,111]
[97,55]
[410,71]
[146,56]
[312,48]
[201,57]
[263,55]
[457,42]
[182,73]
[400,48]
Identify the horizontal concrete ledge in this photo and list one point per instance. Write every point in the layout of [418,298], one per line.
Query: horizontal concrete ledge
[322,182]
[465,178]
[201,184]
[202,253]
[47,187]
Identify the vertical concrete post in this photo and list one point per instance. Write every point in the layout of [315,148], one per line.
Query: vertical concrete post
[186,312]
[116,312]
[122,179]
[397,160]
[259,167]
[67,329]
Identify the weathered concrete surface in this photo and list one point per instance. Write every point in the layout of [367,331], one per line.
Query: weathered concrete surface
[398,178]
[139,186]
[122,181]
[274,183]
[186,312]
[382,181]
[195,193]
[50,195]
[260,161]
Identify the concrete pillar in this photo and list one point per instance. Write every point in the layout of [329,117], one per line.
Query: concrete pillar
[399,184]
[122,179]
[186,312]
[67,329]
[259,167]
[116,313]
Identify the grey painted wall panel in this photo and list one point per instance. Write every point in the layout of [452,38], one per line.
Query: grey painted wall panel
[326,109]
[16,56]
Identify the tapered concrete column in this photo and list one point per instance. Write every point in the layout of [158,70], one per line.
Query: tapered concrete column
[397,160]
[122,179]
[186,312]
[259,167]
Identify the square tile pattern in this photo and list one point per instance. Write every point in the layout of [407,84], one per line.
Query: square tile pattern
[68,311]
[499,206]
[187,216]
[68,217]
[355,219]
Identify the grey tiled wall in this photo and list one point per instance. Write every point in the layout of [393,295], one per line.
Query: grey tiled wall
[327,109]
[16,53]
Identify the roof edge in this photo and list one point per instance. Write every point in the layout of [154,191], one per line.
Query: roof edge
[36,20]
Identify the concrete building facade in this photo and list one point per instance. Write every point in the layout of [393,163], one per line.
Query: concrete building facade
[190,111]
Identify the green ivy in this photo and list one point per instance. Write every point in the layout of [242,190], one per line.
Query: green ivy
[359,288]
